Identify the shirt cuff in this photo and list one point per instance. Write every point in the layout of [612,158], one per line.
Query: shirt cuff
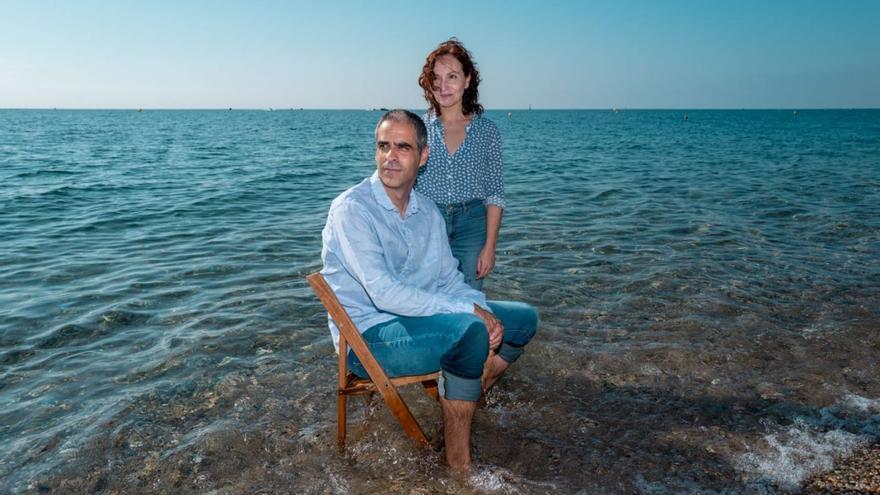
[496,200]
[481,302]
[467,307]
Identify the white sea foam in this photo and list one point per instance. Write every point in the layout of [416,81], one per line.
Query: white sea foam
[491,479]
[861,404]
[797,452]
[338,484]
[494,479]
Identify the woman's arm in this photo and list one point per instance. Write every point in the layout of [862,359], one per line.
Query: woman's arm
[494,185]
[486,261]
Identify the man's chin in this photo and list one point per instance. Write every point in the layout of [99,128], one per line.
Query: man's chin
[390,182]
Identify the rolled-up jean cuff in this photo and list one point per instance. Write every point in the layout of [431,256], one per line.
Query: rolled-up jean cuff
[453,387]
[510,353]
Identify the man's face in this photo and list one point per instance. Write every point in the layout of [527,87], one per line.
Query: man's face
[397,156]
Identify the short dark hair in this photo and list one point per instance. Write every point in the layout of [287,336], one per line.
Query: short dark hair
[400,115]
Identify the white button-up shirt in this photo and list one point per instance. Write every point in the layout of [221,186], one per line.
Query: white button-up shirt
[382,266]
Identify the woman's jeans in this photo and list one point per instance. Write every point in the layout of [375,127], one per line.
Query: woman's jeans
[455,343]
[466,228]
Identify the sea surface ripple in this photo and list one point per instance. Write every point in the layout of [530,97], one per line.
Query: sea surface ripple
[708,281]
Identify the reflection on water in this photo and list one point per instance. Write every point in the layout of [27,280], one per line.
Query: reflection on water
[708,291]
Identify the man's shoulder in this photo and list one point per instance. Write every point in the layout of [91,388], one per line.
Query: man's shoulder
[358,194]
[426,204]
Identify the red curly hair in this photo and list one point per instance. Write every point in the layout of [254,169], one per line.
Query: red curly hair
[470,101]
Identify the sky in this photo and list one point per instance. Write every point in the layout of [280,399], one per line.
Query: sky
[361,54]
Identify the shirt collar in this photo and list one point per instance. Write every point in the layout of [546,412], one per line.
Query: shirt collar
[384,201]
[434,120]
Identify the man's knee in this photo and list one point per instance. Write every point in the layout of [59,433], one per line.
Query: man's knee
[476,337]
[520,321]
[530,321]
[467,356]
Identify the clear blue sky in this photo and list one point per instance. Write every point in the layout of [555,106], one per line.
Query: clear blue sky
[361,54]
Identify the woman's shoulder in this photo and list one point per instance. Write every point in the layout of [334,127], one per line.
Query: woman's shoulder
[485,125]
[483,121]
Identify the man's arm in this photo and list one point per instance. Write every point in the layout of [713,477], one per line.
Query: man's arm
[363,257]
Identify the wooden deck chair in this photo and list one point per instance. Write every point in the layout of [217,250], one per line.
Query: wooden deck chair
[351,384]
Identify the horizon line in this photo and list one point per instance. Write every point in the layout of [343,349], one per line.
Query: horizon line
[288,109]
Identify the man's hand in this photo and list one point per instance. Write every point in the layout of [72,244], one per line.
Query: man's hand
[493,325]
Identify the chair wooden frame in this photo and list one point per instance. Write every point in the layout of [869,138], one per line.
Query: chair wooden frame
[351,384]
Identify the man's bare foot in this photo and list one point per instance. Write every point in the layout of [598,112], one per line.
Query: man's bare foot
[495,367]
[460,473]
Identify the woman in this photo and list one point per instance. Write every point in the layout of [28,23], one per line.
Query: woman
[464,173]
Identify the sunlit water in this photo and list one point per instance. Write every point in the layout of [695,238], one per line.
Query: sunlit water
[709,289]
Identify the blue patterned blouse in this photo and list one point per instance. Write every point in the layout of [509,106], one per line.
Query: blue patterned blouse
[475,171]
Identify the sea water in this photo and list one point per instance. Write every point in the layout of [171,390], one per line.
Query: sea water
[708,283]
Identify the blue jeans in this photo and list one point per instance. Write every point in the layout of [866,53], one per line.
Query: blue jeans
[466,228]
[455,343]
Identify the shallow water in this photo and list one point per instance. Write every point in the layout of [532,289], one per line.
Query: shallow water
[709,291]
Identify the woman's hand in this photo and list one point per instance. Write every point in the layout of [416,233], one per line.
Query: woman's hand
[486,261]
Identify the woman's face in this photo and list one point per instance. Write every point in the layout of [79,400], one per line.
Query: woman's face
[449,81]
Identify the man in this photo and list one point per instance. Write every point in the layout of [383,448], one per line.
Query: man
[387,257]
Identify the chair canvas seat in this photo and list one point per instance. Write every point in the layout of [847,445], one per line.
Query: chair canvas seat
[378,381]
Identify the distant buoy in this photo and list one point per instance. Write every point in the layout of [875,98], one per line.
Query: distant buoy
[685,116]
[508,115]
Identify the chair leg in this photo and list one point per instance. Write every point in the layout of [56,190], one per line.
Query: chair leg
[341,403]
[431,389]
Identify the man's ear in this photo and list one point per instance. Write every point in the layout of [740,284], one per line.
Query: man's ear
[424,158]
